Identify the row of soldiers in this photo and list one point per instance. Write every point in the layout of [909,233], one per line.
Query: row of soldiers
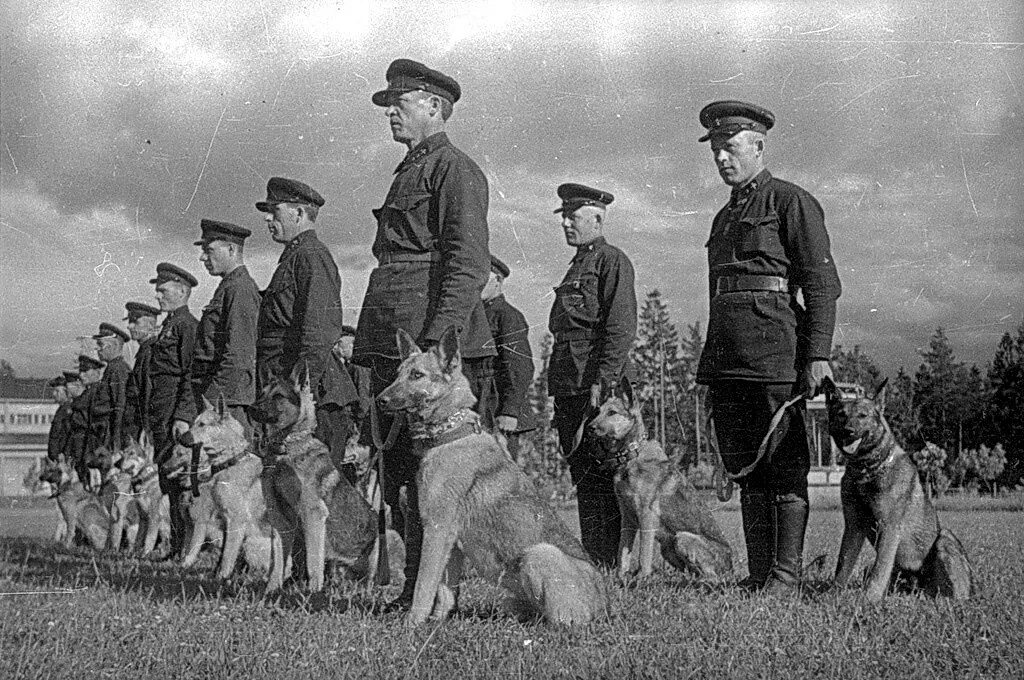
[772,283]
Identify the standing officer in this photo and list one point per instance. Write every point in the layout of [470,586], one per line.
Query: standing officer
[513,365]
[170,363]
[107,411]
[763,347]
[593,320]
[224,355]
[60,425]
[143,328]
[90,371]
[300,313]
[431,248]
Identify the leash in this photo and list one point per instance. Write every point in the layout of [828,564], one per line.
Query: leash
[382,577]
[724,480]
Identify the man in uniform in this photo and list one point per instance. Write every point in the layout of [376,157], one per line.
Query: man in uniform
[143,328]
[300,315]
[431,248]
[107,409]
[593,320]
[170,363]
[513,365]
[60,424]
[763,346]
[224,355]
[90,371]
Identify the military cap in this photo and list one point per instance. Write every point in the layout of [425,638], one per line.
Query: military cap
[214,230]
[347,330]
[137,310]
[59,381]
[499,267]
[109,330]
[88,363]
[71,376]
[406,75]
[284,190]
[577,195]
[165,271]
[730,117]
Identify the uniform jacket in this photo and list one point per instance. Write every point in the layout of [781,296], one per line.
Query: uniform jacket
[432,247]
[593,320]
[769,228]
[300,319]
[170,363]
[60,432]
[224,356]
[139,388]
[79,423]
[107,407]
[513,364]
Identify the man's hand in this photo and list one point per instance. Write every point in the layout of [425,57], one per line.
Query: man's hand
[179,427]
[507,424]
[595,396]
[813,374]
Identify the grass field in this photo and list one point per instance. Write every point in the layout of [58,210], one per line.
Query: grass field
[78,614]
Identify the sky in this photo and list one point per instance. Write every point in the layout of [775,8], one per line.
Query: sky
[122,124]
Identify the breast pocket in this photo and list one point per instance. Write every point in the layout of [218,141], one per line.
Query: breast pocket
[759,237]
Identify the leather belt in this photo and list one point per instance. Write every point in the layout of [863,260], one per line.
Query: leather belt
[732,284]
[575,334]
[390,258]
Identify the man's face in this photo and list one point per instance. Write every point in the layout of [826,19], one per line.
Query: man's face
[170,295]
[60,394]
[217,257]
[739,158]
[108,348]
[409,116]
[91,376]
[142,328]
[75,389]
[492,288]
[283,222]
[582,226]
[343,347]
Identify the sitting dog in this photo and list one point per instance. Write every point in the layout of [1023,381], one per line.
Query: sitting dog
[82,511]
[237,494]
[884,502]
[207,524]
[655,497]
[475,501]
[116,494]
[152,506]
[306,491]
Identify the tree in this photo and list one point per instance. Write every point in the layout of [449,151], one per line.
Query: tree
[655,354]
[855,367]
[1006,390]
[900,412]
[6,370]
[540,453]
[930,463]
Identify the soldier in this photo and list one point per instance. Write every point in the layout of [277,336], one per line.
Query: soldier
[593,320]
[431,247]
[763,347]
[224,356]
[513,365]
[143,328]
[170,363]
[359,410]
[90,371]
[300,313]
[60,424]
[107,410]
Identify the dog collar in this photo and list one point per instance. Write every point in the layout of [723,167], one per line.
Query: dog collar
[143,478]
[220,467]
[462,423]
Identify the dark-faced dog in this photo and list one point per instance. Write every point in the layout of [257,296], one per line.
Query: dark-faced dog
[308,492]
[82,511]
[884,502]
[152,506]
[656,500]
[475,501]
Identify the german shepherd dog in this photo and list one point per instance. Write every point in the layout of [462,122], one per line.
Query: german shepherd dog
[206,521]
[152,506]
[116,493]
[475,501]
[884,502]
[307,491]
[237,495]
[655,498]
[82,511]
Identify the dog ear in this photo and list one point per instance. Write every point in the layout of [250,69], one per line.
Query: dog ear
[880,395]
[828,388]
[222,405]
[626,390]
[207,406]
[448,351]
[406,345]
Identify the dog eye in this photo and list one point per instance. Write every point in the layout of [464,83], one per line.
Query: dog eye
[416,375]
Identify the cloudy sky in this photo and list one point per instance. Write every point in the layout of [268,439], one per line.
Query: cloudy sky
[124,123]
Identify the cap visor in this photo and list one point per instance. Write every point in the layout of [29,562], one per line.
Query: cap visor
[265,206]
[385,97]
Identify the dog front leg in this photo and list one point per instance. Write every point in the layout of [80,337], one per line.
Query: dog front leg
[200,528]
[889,538]
[627,538]
[849,550]
[314,528]
[445,601]
[117,528]
[438,541]
[234,533]
[649,522]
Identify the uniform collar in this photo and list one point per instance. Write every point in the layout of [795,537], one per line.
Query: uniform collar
[238,271]
[500,297]
[582,251]
[753,185]
[180,311]
[424,148]
[303,237]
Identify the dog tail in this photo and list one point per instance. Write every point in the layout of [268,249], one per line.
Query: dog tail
[952,574]
[563,589]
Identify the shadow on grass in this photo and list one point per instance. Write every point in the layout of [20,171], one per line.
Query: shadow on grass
[44,564]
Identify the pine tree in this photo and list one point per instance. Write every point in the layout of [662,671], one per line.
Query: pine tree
[1006,389]
[540,453]
[855,367]
[656,356]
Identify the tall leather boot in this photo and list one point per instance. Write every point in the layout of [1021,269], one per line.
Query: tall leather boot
[759,535]
[791,524]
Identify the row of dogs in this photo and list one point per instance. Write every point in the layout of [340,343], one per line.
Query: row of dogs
[476,504]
